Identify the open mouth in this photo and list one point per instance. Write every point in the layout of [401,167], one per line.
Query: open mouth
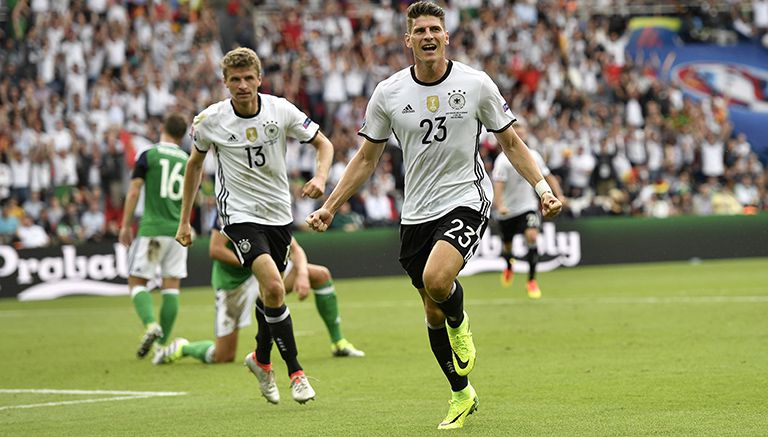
[429,47]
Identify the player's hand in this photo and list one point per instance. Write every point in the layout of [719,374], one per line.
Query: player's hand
[314,188]
[184,234]
[301,286]
[550,205]
[126,236]
[319,220]
[503,210]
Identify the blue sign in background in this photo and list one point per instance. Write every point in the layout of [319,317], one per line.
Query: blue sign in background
[648,41]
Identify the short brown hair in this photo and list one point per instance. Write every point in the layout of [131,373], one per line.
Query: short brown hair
[421,8]
[175,125]
[241,57]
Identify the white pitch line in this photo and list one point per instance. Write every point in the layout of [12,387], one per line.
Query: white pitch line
[130,395]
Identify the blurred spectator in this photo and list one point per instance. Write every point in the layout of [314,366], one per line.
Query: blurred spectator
[8,225]
[93,222]
[346,219]
[31,235]
[34,205]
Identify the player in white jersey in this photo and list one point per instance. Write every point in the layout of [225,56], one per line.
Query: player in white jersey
[517,212]
[436,109]
[247,134]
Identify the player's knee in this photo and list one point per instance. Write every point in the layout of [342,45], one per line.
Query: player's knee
[323,275]
[438,284]
[223,356]
[272,287]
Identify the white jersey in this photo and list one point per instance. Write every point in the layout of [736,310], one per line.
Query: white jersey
[251,178]
[438,125]
[518,195]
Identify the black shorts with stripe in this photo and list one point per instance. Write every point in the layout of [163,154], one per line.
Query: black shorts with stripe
[518,224]
[251,240]
[462,228]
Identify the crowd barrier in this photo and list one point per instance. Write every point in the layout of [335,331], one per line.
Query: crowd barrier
[101,268]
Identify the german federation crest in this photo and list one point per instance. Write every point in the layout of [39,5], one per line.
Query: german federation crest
[271,130]
[433,103]
[244,245]
[456,100]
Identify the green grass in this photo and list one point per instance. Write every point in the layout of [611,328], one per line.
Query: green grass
[650,349]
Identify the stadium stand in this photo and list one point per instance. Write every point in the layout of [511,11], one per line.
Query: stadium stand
[85,84]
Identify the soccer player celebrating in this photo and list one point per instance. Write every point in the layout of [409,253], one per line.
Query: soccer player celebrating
[247,134]
[236,292]
[517,211]
[160,170]
[435,109]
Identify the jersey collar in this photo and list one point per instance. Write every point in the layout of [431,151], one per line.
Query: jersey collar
[246,116]
[437,82]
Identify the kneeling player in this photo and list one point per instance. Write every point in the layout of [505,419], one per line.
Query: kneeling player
[236,292]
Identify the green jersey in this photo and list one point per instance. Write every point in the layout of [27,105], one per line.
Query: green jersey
[162,168]
[225,276]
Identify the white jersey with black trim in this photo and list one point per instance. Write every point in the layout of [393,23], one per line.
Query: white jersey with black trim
[518,195]
[438,125]
[251,178]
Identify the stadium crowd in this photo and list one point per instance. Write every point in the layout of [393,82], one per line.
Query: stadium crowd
[85,84]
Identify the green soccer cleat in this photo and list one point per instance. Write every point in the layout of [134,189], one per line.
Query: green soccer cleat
[464,351]
[154,332]
[343,348]
[462,404]
[170,353]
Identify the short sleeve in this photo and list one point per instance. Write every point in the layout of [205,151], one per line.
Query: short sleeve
[141,166]
[199,133]
[493,111]
[297,124]
[377,125]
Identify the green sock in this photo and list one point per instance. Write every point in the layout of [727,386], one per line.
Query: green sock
[142,302]
[168,312]
[202,350]
[325,301]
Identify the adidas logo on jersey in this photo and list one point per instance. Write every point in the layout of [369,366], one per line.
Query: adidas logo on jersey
[232,138]
[408,109]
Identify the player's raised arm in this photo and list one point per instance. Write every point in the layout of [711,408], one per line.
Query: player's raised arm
[192,177]
[358,171]
[517,153]
[315,187]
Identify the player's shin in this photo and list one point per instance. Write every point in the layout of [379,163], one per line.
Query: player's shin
[168,312]
[328,308]
[441,348]
[281,329]
[453,306]
[263,337]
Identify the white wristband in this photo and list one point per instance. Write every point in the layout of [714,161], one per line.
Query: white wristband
[542,187]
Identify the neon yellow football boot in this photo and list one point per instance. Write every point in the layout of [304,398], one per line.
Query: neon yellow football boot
[464,351]
[462,404]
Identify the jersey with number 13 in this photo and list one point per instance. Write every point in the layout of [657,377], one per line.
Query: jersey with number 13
[251,176]
[162,168]
[438,127]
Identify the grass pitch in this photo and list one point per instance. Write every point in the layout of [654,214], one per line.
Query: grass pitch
[651,349]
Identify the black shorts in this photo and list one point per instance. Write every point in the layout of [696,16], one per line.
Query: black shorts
[462,228]
[518,224]
[251,240]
